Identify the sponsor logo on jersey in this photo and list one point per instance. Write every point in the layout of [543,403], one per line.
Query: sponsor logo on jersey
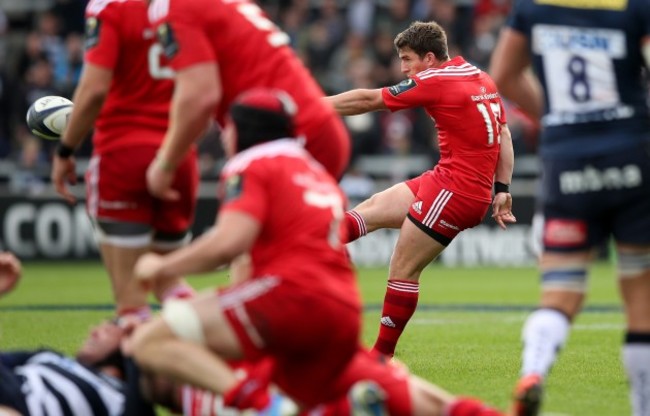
[547,38]
[485,97]
[565,233]
[417,207]
[167,39]
[587,4]
[403,86]
[91,35]
[591,179]
[233,187]
[386,321]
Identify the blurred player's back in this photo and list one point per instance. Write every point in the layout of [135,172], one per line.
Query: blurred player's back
[231,46]
[589,61]
[250,49]
[142,86]
[301,208]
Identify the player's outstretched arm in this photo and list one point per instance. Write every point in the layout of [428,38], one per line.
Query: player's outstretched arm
[196,94]
[232,236]
[510,69]
[10,271]
[359,101]
[89,97]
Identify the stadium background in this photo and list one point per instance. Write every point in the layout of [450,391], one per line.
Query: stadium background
[346,44]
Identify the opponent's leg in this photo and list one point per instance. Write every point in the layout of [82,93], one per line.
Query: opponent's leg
[634,282]
[564,278]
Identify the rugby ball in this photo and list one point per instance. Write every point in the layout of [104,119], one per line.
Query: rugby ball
[48,116]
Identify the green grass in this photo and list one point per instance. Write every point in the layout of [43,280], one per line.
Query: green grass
[464,336]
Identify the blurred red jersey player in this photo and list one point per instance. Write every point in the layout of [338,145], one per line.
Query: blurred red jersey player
[299,314]
[124,92]
[220,49]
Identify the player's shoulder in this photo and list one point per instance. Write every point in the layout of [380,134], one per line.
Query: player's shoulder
[454,69]
[159,10]
[105,8]
[265,156]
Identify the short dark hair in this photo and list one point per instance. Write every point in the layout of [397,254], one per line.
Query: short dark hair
[261,115]
[424,37]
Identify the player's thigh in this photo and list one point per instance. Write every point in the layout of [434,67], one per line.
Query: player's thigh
[217,329]
[117,200]
[172,220]
[297,327]
[199,320]
[434,219]
[388,208]
[293,324]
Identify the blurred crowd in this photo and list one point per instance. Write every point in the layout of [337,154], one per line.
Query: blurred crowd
[345,43]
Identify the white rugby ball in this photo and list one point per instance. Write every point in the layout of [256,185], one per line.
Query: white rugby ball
[48,116]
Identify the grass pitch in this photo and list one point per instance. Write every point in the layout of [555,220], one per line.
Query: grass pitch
[464,335]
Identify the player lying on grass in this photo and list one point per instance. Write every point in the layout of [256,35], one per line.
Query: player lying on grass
[98,381]
[282,207]
[47,382]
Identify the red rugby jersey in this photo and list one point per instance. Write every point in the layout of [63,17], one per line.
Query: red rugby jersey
[467,110]
[120,38]
[250,50]
[300,208]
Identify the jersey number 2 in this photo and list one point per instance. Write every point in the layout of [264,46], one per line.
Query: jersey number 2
[485,113]
[156,70]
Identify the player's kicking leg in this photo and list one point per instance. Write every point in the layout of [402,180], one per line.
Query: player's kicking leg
[385,209]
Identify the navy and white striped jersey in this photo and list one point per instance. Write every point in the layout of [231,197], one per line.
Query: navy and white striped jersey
[588,57]
[51,384]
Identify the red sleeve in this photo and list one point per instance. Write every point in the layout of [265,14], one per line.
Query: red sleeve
[182,36]
[247,192]
[102,38]
[409,93]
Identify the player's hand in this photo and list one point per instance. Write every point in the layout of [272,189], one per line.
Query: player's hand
[10,271]
[148,267]
[502,209]
[64,171]
[159,182]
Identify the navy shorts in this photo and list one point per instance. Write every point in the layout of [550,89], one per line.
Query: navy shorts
[587,200]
